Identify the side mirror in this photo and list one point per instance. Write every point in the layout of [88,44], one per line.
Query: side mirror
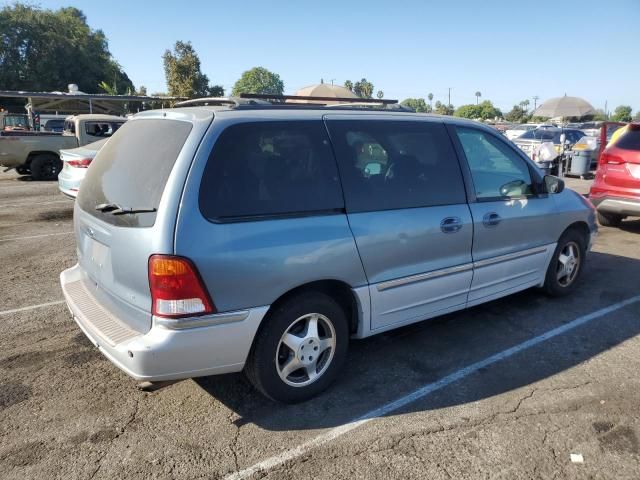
[553,184]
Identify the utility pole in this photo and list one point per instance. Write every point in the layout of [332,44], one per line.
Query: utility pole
[449,97]
[535,101]
[606,115]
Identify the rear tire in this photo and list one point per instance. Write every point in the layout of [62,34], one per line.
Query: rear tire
[291,361]
[45,167]
[567,264]
[609,219]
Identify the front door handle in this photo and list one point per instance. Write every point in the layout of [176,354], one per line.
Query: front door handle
[451,225]
[491,219]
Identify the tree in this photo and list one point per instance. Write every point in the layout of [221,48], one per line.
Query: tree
[380,94]
[599,115]
[517,114]
[363,88]
[622,113]
[468,111]
[523,105]
[488,111]
[417,104]
[46,50]
[108,89]
[259,80]
[183,74]
[636,117]
[442,109]
[483,111]
[478,95]
[348,85]
[430,97]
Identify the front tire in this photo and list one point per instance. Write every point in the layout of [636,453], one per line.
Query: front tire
[45,167]
[609,219]
[566,265]
[300,348]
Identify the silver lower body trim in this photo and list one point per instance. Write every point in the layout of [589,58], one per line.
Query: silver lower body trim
[421,277]
[509,256]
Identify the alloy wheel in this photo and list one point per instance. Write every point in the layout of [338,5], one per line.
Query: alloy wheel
[306,350]
[568,264]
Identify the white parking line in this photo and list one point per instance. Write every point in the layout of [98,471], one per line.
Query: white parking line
[422,392]
[30,307]
[34,236]
[70,202]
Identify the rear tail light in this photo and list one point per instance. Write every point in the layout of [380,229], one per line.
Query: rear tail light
[176,288]
[82,163]
[611,159]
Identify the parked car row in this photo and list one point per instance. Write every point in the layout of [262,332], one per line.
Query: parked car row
[38,153]
[530,141]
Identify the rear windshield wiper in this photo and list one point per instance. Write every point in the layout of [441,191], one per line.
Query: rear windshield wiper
[116,209]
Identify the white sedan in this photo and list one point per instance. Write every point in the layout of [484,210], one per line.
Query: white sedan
[75,162]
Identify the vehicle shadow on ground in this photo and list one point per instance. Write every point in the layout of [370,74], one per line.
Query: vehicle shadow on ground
[631,226]
[388,366]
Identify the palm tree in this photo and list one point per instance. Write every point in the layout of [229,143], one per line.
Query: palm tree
[478,95]
[430,97]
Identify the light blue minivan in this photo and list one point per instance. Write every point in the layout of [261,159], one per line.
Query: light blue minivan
[262,238]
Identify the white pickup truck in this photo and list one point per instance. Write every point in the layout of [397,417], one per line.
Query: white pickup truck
[37,153]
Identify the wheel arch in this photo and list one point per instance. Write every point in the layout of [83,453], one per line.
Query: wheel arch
[336,289]
[582,228]
[36,153]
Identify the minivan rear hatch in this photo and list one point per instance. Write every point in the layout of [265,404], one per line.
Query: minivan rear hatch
[126,209]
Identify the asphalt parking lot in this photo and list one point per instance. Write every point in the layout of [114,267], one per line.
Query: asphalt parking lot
[495,394]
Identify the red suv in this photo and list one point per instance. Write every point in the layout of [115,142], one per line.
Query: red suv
[616,189]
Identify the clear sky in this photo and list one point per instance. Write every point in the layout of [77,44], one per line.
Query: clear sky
[508,50]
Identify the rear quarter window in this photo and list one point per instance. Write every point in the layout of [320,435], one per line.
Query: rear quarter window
[266,169]
[630,140]
[132,169]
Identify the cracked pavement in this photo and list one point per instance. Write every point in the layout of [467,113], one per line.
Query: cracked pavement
[67,413]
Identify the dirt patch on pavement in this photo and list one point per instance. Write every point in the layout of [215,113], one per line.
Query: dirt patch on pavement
[12,393]
[25,455]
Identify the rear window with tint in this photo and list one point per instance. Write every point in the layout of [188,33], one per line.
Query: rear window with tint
[132,169]
[630,140]
[266,169]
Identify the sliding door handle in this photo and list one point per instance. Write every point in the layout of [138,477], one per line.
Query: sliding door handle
[451,225]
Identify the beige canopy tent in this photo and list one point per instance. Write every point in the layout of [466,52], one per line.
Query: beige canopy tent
[323,90]
[564,107]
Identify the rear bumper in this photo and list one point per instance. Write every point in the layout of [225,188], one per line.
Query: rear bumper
[68,185]
[617,205]
[163,353]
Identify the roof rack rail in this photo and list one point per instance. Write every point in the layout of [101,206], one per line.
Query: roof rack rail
[234,101]
[341,100]
[390,106]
